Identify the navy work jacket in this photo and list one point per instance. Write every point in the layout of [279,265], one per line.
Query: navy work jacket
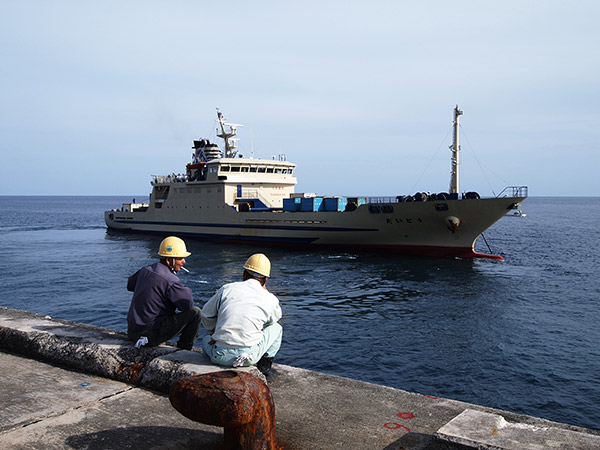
[157,294]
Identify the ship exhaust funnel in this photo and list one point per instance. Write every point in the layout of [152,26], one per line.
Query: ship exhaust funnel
[455,148]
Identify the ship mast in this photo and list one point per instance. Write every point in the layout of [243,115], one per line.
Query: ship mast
[455,148]
[230,144]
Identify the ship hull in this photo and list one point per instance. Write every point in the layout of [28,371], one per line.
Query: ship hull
[415,228]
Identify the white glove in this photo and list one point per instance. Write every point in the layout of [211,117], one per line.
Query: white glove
[241,359]
[141,342]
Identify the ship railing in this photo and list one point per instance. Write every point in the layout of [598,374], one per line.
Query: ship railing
[513,191]
[253,193]
[172,178]
[382,199]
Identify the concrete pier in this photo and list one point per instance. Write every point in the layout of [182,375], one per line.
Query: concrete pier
[73,386]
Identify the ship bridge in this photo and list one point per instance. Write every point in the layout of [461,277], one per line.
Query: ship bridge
[244,183]
[254,184]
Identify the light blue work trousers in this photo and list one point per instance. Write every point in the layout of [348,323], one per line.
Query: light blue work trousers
[268,346]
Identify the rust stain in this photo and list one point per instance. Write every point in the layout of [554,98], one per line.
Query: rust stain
[237,401]
[130,373]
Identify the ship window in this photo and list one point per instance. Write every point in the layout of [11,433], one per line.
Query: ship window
[224,168]
[269,170]
[261,170]
[245,169]
[212,170]
[235,169]
[277,170]
[252,169]
[160,192]
[290,171]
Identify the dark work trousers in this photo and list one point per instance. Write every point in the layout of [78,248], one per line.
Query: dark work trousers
[187,323]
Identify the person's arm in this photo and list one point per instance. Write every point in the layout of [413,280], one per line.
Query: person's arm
[210,311]
[180,296]
[275,313]
[131,281]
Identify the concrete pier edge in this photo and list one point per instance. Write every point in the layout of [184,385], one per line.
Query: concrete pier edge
[434,423]
[99,351]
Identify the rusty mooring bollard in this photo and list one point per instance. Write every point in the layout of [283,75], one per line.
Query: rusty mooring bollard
[237,401]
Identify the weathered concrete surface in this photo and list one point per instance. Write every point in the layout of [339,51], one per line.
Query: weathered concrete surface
[481,430]
[47,407]
[29,393]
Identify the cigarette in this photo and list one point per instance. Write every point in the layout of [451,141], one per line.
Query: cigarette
[183,268]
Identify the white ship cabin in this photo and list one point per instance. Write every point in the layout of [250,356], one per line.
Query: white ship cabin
[245,184]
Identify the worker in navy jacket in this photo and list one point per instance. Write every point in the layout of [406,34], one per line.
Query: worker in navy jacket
[157,296]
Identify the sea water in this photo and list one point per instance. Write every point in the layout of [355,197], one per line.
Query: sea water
[520,335]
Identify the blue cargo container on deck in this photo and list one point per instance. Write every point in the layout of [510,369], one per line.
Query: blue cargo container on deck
[311,204]
[291,204]
[357,200]
[335,203]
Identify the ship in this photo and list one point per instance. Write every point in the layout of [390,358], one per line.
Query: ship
[225,197]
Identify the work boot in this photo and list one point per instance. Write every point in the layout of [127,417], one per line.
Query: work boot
[265,367]
[185,346]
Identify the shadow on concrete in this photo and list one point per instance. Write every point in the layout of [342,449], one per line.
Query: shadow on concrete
[416,441]
[144,438]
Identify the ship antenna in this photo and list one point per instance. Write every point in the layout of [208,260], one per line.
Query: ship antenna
[455,148]
[226,136]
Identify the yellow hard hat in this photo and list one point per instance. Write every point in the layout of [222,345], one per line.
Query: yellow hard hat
[173,247]
[260,264]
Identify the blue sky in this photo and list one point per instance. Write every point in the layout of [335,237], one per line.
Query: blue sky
[98,96]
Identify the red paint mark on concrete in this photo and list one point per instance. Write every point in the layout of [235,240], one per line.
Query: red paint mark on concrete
[395,426]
